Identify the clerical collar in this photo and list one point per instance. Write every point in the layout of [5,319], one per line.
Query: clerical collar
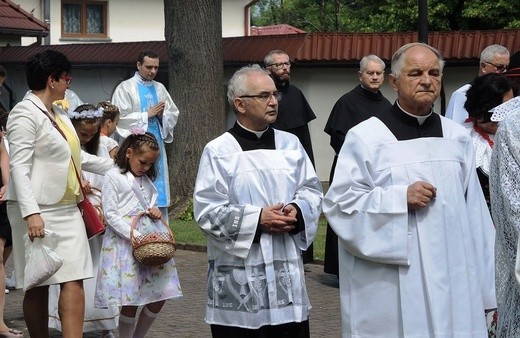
[142,81]
[257,133]
[406,127]
[420,119]
[248,139]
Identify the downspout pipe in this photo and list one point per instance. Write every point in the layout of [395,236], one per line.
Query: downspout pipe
[47,19]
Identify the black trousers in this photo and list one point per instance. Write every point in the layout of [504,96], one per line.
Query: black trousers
[289,330]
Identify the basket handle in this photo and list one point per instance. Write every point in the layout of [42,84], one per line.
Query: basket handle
[134,223]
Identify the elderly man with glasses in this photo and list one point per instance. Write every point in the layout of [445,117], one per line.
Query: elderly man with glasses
[493,59]
[257,199]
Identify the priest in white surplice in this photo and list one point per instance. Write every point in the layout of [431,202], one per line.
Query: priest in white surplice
[257,198]
[146,104]
[416,236]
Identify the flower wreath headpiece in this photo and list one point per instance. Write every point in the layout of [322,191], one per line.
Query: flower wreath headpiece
[86,114]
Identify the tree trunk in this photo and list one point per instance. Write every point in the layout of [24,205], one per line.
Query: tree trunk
[193,33]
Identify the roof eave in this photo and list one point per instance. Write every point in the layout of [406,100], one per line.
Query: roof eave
[23,32]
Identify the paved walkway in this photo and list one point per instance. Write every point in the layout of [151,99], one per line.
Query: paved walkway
[185,317]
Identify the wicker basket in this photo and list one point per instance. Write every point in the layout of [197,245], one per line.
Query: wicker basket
[155,248]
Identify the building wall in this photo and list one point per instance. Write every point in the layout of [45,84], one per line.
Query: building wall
[233,17]
[135,20]
[132,20]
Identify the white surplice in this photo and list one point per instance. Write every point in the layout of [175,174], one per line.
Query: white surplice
[423,273]
[126,98]
[255,284]
[456,110]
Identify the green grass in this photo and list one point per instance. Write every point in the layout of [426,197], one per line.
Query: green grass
[188,232]
[319,240]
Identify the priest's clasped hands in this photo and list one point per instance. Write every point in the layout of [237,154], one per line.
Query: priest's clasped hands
[156,110]
[278,218]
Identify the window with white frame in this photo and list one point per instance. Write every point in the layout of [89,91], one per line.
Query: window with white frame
[84,18]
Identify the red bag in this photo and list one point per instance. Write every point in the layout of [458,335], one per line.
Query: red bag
[93,218]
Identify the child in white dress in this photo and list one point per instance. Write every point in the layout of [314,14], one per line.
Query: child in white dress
[127,191]
[109,123]
[86,119]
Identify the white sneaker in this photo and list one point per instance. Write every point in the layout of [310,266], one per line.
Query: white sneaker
[10,282]
[6,291]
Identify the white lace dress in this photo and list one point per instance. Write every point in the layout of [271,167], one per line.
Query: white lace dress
[505,206]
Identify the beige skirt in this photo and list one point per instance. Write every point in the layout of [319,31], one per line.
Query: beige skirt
[95,319]
[73,246]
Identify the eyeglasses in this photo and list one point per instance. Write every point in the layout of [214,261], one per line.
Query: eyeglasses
[280,65]
[499,68]
[66,78]
[265,96]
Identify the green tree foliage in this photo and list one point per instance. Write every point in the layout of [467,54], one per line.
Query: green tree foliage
[492,14]
[386,15]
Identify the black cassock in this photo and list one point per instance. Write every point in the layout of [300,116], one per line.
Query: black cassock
[351,109]
[294,114]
